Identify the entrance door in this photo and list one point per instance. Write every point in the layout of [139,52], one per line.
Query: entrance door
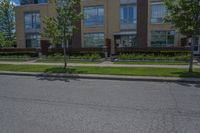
[196,44]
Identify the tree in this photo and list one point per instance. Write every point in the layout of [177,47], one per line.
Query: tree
[60,29]
[185,14]
[7,23]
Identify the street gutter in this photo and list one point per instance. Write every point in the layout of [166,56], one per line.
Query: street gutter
[104,77]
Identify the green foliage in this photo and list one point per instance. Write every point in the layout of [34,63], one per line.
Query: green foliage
[141,57]
[51,31]
[7,24]
[18,54]
[160,52]
[184,14]
[61,28]
[91,56]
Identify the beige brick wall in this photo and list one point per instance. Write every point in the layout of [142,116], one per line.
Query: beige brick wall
[111,19]
[114,21]
[157,27]
[45,11]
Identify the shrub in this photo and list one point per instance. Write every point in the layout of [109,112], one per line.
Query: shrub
[153,56]
[18,54]
[88,56]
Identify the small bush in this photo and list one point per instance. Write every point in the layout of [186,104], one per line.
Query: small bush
[18,54]
[137,56]
[92,56]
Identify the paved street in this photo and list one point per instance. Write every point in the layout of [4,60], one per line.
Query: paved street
[57,105]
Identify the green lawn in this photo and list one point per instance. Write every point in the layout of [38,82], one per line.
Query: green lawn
[165,72]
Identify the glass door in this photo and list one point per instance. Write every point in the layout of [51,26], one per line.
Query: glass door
[196,45]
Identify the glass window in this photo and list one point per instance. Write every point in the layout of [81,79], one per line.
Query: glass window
[128,14]
[94,40]
[26,2]
[94,16]
[158,13]
[162,38]
[42,1]
[32,20]
[33,40]
[127,41]
[196,44]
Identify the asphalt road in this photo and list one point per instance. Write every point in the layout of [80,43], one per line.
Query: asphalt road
[49,105]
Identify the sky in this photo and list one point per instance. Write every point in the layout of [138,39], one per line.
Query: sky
[16,1]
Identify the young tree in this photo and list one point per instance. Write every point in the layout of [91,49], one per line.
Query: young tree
[7,23]
[60,29]
[185,15]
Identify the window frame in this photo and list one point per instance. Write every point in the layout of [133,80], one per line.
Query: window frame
[97,22]
[159,37]
[94,33]
[153,4]
[128,15]
[30,36]
[32,22]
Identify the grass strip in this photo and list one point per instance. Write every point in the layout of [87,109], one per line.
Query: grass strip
[161,72]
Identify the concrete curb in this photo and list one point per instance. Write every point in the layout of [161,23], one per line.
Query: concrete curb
[104,77]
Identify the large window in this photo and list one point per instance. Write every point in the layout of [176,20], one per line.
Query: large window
[158,12]
[162,38]
[128,14]
[127,41]
[33,40]
[32,20]
[26,2]
[94,40]
[196,45]
[40,1]
[94,16]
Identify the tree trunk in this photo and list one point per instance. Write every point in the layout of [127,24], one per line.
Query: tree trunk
[191,58]
[65,55]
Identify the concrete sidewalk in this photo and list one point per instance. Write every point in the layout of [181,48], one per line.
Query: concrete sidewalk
[103,77]
[100,65]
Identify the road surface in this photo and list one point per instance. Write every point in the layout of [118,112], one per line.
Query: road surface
[57,105]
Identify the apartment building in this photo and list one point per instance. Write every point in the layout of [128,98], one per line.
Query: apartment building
[118,23]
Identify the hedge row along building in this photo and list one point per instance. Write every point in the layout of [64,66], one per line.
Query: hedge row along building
[118,23]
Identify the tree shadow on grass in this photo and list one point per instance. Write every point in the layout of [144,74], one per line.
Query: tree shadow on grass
[60,74]
[189,75]
[63,70]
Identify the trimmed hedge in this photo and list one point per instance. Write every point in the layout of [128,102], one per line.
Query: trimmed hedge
[159,52]
[178,57]
[90,56]
[18,54]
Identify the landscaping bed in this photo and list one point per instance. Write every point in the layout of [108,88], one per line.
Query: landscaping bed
[85,58]
[180,59]
[17,56]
